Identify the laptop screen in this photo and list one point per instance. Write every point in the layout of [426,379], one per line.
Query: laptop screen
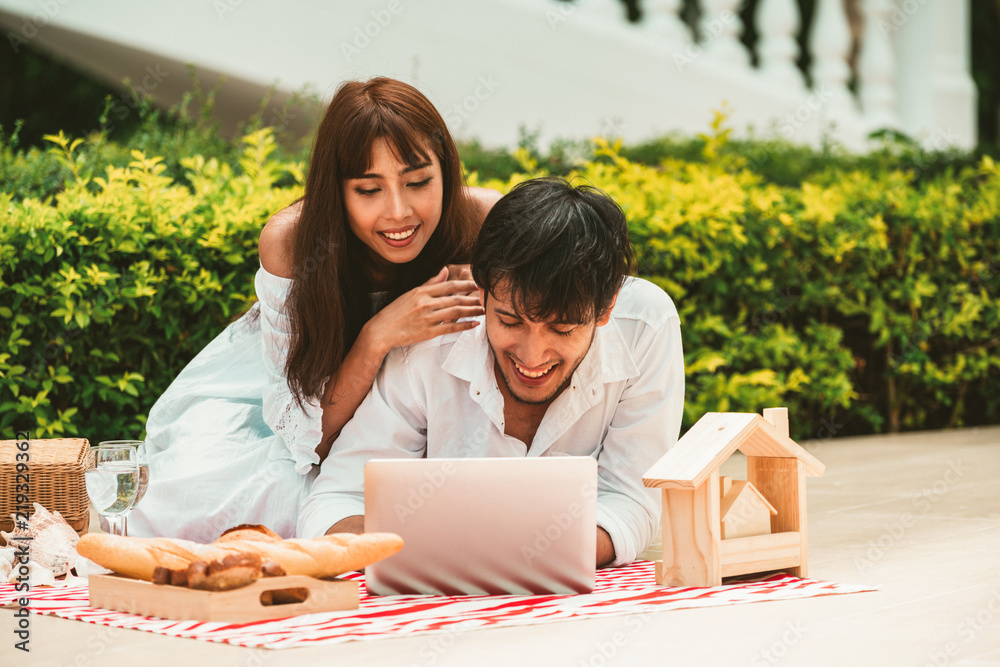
[486,526]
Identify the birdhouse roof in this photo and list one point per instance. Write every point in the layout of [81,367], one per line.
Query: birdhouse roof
[714,439]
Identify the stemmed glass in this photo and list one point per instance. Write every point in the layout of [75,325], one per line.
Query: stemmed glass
[112,477]
[140,452]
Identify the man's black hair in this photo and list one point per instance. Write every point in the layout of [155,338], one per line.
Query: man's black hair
[562,252]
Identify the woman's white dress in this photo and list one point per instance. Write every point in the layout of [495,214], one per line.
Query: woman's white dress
[227,442]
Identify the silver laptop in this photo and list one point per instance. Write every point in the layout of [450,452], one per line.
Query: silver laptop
[490,526]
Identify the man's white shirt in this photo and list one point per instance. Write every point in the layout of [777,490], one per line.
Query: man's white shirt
[439,398]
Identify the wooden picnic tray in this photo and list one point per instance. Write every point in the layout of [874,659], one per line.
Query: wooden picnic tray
[271,597]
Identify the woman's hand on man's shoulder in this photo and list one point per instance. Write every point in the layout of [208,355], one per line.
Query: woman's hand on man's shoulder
[277,241]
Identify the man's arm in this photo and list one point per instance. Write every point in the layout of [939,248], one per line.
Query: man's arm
[605,548]
[645,425]
[352,524]
[389,423]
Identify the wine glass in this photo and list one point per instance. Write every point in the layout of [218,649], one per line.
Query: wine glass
[112,478]
[143,462]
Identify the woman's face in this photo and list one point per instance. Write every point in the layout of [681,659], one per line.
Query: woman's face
[394,208]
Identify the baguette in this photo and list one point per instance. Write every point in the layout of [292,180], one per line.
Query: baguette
[132,557]
[322,557]
[231,563]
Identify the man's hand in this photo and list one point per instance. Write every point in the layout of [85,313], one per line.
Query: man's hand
[352,524]
[605,548]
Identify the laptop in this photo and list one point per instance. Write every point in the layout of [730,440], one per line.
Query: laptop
[486,526]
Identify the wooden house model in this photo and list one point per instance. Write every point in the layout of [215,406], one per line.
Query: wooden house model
[743,510]
[714,527]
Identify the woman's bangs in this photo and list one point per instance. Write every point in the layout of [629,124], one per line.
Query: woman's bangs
[408,143]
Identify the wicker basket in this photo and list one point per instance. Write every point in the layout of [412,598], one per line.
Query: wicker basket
[55,469]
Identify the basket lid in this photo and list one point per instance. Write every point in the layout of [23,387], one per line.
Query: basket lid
[67,451]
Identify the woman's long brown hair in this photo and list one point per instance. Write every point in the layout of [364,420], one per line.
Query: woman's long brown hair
[329,300]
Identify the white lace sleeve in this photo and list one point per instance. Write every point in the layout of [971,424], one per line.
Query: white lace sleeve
[301,427]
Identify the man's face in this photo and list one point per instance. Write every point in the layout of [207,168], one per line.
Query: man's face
[535,360]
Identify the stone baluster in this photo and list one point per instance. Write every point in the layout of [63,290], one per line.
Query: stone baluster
[830,43]
[777,25]
[877,67]
[661,18]
[720,30]
[612,11]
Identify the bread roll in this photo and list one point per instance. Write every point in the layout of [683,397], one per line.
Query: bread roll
[252,532]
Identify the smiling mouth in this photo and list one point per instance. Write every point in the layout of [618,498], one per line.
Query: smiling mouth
[400,236]
[534,375]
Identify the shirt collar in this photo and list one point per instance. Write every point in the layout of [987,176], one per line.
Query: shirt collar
[471,359]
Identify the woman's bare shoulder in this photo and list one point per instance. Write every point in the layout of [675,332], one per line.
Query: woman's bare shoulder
[276,243]
[484,199]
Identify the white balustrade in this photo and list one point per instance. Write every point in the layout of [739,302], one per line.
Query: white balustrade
[876,66]
[661,17]
[612,11]
[829,44]
[913,68]
[720,30]
[777,27]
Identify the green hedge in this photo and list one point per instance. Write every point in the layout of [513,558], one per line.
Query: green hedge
[110,287]
[863,296]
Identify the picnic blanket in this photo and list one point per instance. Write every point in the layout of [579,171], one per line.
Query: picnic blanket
[619,591]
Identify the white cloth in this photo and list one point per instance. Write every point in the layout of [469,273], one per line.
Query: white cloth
[228,444]
[440,398]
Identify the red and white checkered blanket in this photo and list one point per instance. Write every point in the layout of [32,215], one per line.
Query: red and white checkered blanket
[627,590]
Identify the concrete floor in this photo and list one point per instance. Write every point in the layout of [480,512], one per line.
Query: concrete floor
[916,515]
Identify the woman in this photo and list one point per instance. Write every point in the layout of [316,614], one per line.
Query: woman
[358,266]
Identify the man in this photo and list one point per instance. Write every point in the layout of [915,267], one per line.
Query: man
[574,358]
